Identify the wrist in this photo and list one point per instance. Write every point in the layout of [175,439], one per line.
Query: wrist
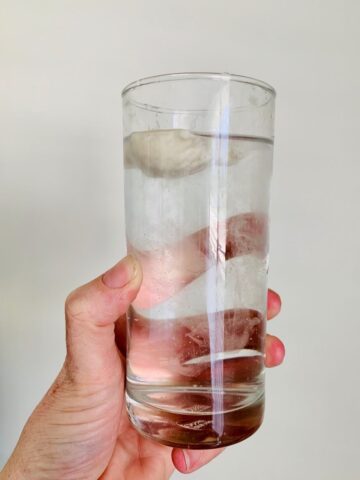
[12,470]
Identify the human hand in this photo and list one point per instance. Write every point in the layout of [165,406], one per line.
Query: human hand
[80,429]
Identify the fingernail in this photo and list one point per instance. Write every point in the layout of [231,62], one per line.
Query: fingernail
[186,460]
[121,273]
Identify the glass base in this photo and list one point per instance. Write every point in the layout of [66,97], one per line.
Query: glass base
[196,430]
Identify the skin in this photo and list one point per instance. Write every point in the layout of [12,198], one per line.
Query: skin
[80,429]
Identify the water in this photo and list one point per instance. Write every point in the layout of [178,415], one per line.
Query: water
[196,217]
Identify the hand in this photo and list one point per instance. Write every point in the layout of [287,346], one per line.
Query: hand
[80,429]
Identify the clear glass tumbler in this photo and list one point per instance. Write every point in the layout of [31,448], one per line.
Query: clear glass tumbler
[198,162]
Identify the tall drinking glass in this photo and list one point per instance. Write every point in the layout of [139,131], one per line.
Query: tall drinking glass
[198,162]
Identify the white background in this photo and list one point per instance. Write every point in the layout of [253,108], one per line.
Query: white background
[63,64]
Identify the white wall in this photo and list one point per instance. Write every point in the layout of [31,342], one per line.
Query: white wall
[63,64]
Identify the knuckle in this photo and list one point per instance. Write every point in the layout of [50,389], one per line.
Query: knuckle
[74,306]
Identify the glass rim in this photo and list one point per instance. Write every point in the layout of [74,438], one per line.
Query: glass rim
[168,77]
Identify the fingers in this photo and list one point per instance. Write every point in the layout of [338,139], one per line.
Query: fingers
[273,304]
[274,351]
[274,348]
[121,334]
[146,346]
[187,461]
[91,312]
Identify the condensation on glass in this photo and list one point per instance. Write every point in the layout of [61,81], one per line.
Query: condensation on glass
[198,162]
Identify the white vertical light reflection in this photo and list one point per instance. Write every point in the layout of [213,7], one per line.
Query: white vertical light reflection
[216,277]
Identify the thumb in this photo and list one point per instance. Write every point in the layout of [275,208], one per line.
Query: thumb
[91,312]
